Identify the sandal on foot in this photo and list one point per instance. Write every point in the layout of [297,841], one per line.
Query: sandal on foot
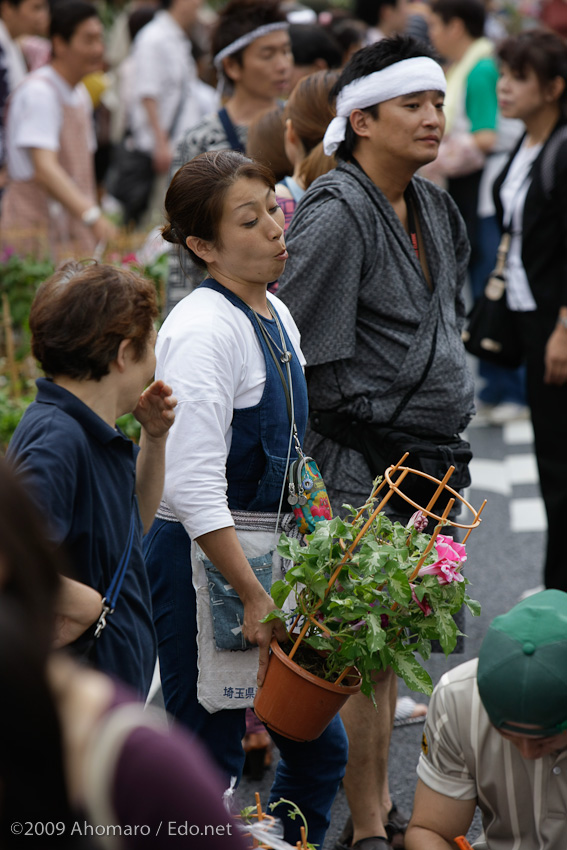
[396,827]
[375,842]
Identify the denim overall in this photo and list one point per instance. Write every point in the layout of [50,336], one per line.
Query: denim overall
[256,464]
[307,773]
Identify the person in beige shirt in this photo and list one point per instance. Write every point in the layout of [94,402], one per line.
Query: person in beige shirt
[496,738]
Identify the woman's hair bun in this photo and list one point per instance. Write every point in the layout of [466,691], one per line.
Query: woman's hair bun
[170,233]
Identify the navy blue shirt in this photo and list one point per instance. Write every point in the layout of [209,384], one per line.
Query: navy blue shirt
[82,474]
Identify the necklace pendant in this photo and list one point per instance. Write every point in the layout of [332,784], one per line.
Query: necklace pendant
[286,356]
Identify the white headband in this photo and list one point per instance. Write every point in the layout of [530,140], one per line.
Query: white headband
[247,39]
[405,77]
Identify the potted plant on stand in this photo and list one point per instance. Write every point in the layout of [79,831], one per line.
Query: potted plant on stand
[369,594]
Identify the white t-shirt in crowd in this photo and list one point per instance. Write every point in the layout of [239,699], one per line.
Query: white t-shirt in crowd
[513,196]
[13,58]
[209,353]
[165,71]
[509,131]
[35,118]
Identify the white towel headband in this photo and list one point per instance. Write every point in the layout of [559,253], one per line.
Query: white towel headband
[405,77]
[247,39]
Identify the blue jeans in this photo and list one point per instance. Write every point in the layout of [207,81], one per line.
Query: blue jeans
[309,773]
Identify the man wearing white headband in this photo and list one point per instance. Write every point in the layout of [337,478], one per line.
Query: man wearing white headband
[253,59]
[377,263]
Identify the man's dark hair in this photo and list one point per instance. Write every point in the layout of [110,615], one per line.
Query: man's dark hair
[239,17]
[376,57]
[471,12]
[67,15]
[13,3]
[310,42]
[138,19]
[369,10]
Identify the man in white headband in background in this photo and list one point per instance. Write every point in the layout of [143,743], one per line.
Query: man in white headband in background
[253,59]
[377,263]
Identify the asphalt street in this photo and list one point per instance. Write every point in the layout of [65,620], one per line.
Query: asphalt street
[505,556]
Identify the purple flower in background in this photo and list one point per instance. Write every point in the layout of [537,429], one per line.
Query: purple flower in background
[418,520]
[7,253]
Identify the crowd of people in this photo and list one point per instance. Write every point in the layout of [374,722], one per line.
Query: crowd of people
[331,191]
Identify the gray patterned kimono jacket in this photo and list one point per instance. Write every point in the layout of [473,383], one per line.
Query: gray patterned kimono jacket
[369,322]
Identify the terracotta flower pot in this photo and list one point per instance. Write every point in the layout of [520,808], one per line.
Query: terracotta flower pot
[296,703]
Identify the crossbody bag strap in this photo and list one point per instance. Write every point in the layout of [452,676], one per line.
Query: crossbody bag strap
[179,109]
[128,133]
[270,345]
[230,130]
[412,390]
[286,389]
[115,586]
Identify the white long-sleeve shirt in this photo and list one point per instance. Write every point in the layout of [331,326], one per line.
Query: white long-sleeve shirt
[209,353]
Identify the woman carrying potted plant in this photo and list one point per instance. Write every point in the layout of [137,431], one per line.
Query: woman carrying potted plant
[210,551]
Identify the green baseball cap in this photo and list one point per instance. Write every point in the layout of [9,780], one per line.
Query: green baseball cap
[522,666]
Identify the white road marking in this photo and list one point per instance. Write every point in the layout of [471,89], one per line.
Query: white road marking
[518,433]
[490,475]
[527,515]
[521,469]
[501,476]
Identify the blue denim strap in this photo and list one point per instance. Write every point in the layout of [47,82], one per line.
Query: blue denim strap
[115,586]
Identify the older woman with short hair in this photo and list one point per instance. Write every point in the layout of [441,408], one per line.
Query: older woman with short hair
[93,334]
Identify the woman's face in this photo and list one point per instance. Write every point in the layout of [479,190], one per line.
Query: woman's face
[250,248]
[520,97]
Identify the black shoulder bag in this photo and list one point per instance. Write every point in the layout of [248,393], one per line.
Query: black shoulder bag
[490,334]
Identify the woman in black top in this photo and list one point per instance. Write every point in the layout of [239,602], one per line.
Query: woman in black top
[531,202]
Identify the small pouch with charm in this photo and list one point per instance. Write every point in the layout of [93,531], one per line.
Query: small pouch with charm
[307,494]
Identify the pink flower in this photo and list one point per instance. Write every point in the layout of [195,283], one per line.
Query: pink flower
[7,253]
[448,548]
[451,556]
[424,604]
[418,520]
[129,259]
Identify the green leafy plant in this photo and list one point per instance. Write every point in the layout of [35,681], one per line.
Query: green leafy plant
[19,280]
[263,830]
[11,411]
[372,594]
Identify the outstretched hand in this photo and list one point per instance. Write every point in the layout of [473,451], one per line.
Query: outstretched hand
[155,409]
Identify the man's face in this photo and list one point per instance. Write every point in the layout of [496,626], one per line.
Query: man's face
[31,17]
[84,53]
[265,73]
[531,746]
[394,18]
[442,35]
[408,129]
